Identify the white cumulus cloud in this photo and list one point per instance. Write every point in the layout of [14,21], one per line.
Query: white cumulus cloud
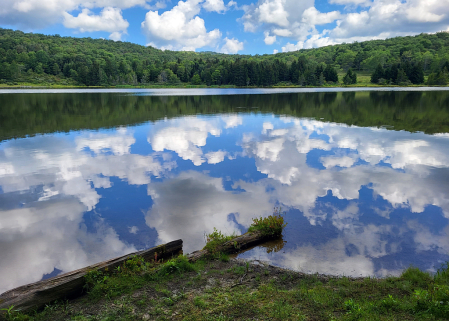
[216,157]
[30,14]
[377,19]
[269,40]
[185,137]
[214,5]
[179,28]
[232,121]
[110,20]
[231,46]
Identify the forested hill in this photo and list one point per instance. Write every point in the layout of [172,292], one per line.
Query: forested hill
[40,59]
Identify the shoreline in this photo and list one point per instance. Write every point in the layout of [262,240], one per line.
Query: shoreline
[56,86]
[221,288]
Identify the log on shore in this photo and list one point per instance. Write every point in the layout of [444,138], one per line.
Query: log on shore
[67,285]
[235,245]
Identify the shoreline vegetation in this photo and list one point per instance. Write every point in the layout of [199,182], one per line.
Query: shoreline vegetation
[186,86]
[34,59]
[214,286]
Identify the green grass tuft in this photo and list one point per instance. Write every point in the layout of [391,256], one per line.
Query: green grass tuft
[416,277]
[442,275]
[216,239]
[271,225]
[177,265]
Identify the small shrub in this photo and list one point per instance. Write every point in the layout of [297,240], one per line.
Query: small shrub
[271,225]
[177,265]
[223,257]
[240,270]
[352,307]
[434,301]
[442,275]
[389,302]
[216,239]
[168,302]
[416,277]
[199,302]
[95,277]
[133,265]
[281,310]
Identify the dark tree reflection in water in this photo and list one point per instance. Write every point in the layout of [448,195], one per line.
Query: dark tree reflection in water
[363,177]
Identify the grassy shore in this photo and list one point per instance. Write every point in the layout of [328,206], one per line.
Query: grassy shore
[220,288]
[363,81]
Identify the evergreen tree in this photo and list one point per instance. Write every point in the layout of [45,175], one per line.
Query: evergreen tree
[294,72]
[417,74]
[321,79]
[438,79]
[310,77]
[330,74]
[93,77]
[391,74]
[350,78]
[83,72]
[216,77]
[268,76]
[55,69]
[402,78]
[378,74]
[353,77]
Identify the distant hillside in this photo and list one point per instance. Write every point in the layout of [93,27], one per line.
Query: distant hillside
[40,59]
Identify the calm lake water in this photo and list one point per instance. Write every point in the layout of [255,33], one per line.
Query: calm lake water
[363,176]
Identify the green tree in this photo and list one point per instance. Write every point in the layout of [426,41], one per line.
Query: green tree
[93,77]
[5,71]
[438,79]
[216,77]
[417,74]
[39,68]
[330,74]
[350,78]
[321,79]
[196,79]
[55,69]
[346,59]
[402,78]
[377,74]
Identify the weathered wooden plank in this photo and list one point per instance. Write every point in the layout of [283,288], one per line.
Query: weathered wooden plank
[36,295]
[235,245]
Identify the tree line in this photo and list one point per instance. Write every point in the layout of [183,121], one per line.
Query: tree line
[37,58]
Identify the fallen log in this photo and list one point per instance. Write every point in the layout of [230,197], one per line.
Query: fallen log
[67,285]
[235,245]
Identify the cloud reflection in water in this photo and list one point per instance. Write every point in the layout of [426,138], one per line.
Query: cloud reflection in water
[359,201]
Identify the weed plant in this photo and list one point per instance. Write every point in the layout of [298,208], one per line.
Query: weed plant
[177,265]
[215,240]
[271,225]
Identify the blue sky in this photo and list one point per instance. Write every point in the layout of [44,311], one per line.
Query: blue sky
[229,26]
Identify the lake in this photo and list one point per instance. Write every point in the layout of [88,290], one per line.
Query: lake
[87,175]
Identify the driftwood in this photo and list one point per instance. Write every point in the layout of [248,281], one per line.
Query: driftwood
[36,295]
[235,245]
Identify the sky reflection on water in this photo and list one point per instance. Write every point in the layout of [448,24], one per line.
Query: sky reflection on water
[358,200]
